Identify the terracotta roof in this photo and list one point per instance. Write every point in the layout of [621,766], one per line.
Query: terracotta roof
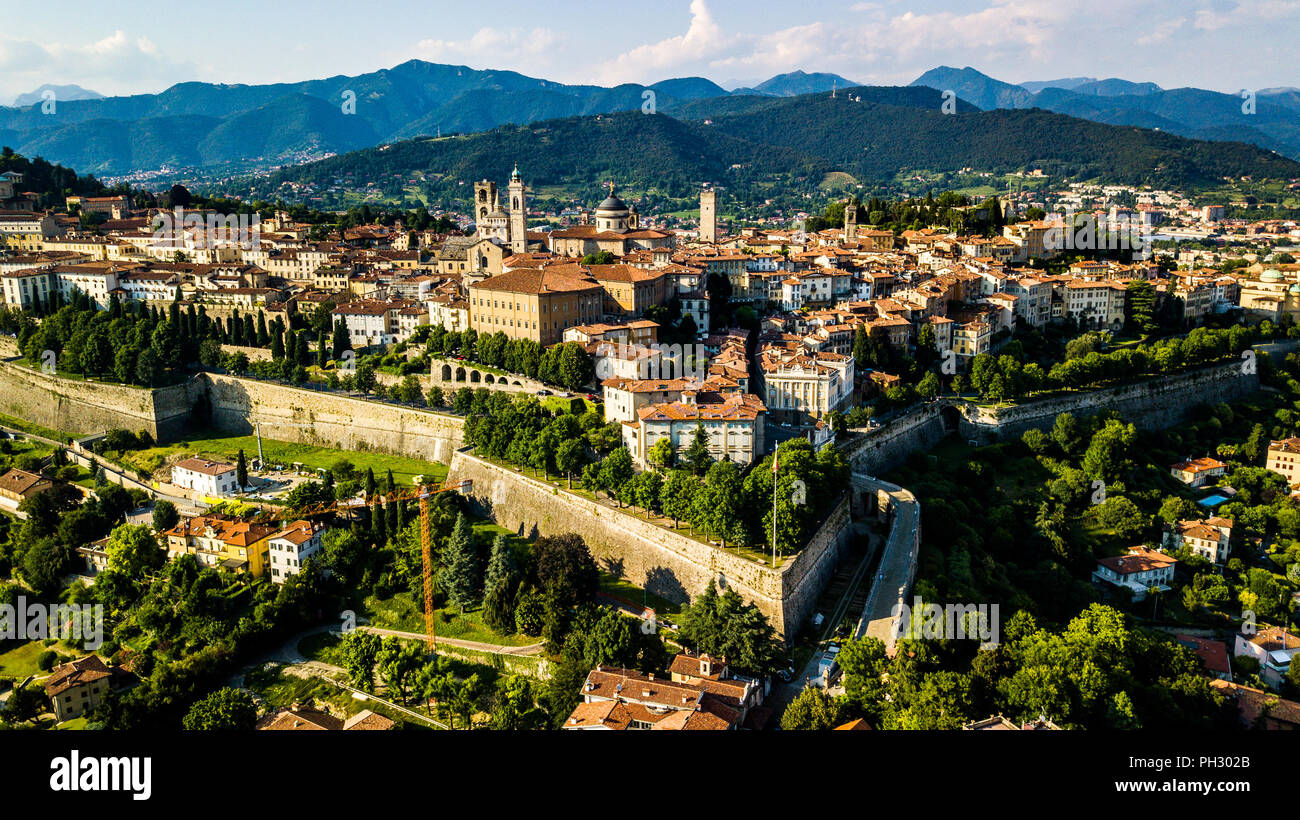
[23,483]
[202,465]
[1139,559]
[76,673]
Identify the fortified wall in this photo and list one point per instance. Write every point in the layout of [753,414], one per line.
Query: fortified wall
[328,419]
[86,407]
[1151,404]
[671,565]
[877,451]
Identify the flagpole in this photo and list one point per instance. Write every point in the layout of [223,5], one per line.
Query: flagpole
[775,466]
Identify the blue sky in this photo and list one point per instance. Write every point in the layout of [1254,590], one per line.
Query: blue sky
[129,46]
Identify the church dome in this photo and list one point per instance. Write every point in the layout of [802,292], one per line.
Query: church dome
[612,204]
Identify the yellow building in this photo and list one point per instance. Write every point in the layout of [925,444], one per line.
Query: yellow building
[529,303]
[220,540]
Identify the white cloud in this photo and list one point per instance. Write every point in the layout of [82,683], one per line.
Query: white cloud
[113,64]
[703,38]
[1247,12]
[500,48]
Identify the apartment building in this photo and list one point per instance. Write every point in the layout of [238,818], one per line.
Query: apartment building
[1140,570]
[536,303]
[1283,458]
[292,546]
[222,541]
[734,428]
[1209,539]
[798,384]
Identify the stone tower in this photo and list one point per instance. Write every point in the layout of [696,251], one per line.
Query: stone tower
[850,222]
[485,203]
[708,215]
[518,213]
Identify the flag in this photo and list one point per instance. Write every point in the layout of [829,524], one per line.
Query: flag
[774,463]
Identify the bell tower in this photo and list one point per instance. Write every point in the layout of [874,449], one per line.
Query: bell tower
[518,213]
[850,222]
[485,203]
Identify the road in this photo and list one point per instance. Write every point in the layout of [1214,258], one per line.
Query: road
[897,564]
[495,649]
[783,693]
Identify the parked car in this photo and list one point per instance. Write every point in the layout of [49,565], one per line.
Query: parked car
[543,392]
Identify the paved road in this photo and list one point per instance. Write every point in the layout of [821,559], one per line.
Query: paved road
[897,565]
[495,649]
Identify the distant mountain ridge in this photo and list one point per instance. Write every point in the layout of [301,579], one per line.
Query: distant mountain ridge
[1272,124]
[62,93]
[252,127]
[197,124]
[739,142]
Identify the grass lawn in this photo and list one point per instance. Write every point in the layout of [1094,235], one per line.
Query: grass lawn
[403,613]
[226,448]
[21,660]
[34,429]
[74,724]
[629,592]
[322,646]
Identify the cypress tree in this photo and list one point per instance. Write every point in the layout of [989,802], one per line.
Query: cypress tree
[459,573]
[501,587]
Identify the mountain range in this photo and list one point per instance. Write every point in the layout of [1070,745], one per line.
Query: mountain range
[218,128]
[864,134]
[204,124]
[1270,118]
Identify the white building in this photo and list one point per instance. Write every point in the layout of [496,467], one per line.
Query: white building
[733,429]
[205,478]
[1208,539]
[1142,569]
[293,545]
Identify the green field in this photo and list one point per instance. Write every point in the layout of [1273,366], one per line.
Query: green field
[402,612]
[20,661]
[226,448]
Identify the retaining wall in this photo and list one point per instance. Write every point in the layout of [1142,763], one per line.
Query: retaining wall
[669,564]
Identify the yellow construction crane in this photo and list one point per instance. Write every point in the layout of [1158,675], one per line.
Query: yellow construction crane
[422,494]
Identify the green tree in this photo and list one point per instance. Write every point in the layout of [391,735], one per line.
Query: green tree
[225,710]
[460,571]
[500,587]
[813,710]
[359,651]
[570,458]
[165,515]
[697,458]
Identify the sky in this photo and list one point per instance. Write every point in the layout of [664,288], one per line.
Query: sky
[136,47]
